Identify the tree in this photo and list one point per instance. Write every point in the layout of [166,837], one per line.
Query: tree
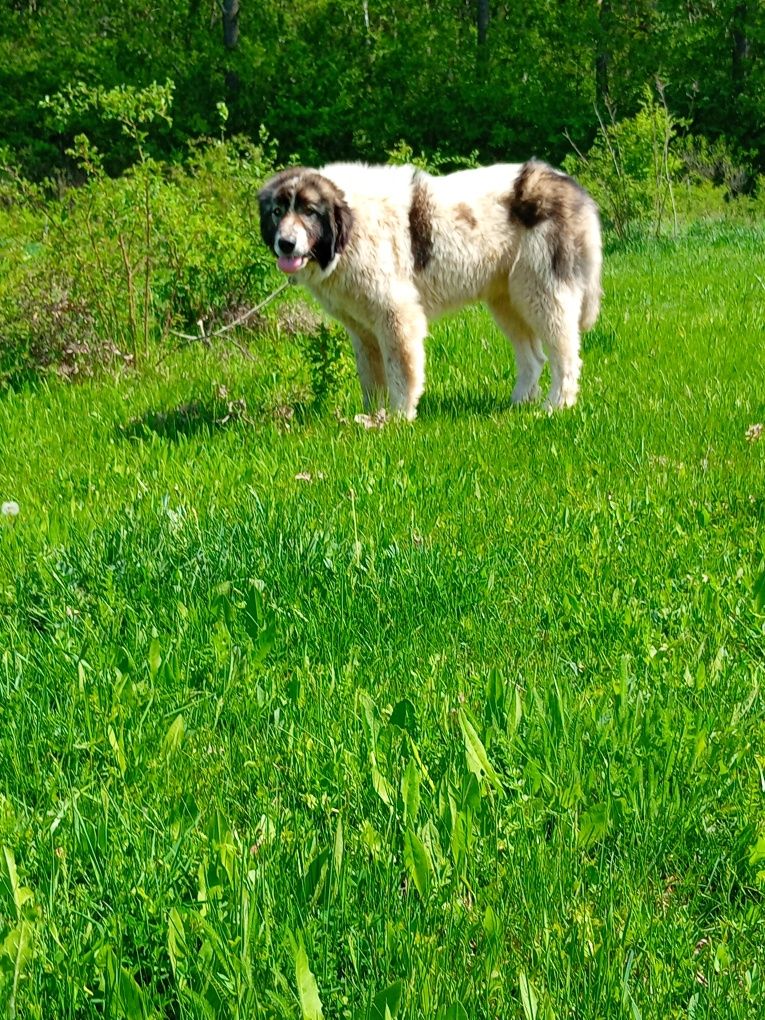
[482,23]
[603,54]
[230,12]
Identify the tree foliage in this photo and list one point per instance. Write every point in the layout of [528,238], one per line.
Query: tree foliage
[341,78]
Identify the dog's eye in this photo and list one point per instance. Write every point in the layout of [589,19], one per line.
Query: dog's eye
[311,210]
[277,212]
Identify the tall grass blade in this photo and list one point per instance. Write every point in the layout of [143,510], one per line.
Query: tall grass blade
[308,990]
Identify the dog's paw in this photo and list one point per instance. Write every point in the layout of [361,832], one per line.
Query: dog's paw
[521,396]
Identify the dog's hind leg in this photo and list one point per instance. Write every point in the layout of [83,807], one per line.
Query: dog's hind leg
[402,342]
[552,310]
[369,365]
[561,338]
[529,356]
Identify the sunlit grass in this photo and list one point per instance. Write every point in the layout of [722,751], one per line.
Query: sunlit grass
[470,709]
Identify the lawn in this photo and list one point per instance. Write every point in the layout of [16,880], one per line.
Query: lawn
[457,719]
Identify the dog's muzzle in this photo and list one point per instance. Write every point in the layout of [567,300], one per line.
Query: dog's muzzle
[287,260]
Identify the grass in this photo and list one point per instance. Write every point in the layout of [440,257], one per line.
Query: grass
[458,719]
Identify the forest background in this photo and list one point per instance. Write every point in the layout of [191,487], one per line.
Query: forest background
[334,79]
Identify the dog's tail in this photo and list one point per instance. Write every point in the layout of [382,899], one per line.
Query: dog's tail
[593,292]
[542,195]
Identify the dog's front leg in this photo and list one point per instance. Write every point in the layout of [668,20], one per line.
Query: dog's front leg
[369,365]
[402,342]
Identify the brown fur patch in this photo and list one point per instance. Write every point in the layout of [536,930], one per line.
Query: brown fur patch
[277,191]
[308,195]
[465,215]
[421,223]
[541,195]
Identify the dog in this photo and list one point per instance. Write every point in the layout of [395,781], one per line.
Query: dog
[387,249]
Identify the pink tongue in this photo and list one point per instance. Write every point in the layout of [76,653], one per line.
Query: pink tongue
[290,263]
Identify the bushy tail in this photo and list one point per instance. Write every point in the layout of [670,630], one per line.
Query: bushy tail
[546,199]
[592,290]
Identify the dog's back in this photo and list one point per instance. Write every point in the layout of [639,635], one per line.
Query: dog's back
[463,231]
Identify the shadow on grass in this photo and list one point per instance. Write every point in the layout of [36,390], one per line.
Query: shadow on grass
[602,337]
[188,419]
[206,416]
[458,402]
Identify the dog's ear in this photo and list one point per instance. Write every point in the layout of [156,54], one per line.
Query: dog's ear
[336,230]
[266,203]
[343,225]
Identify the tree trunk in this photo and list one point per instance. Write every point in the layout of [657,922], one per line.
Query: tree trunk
[195,20]
[230,10]
[603,55]
[741,105]
[741,48]
[482,24]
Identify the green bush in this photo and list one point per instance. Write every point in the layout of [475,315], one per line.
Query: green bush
[716,162]
[642,168]
[631,166]
[326,352]
[434,162]
[109,269]
[113,266]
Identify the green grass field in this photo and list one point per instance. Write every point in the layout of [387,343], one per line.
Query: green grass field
[458,719]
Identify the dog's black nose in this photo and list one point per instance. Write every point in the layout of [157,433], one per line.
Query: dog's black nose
[285,247]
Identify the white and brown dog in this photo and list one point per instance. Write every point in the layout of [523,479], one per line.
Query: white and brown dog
[387,248]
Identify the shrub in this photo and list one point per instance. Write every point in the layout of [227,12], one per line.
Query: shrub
[46,327]
[631,166]
[435,162]
[716,162]
[115,265]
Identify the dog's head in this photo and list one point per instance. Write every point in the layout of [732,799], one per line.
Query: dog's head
[304,216]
